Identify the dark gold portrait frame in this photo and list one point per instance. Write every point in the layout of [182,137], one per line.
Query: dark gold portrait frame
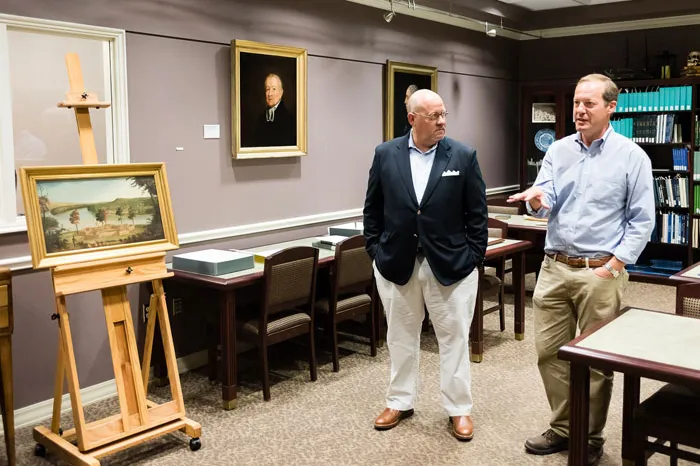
[238,95]
[423,73]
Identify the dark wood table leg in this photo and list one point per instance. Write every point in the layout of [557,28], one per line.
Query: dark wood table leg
[518,261]
[476,332]
[630,402]
[6,397]
[579,393]
[228,349]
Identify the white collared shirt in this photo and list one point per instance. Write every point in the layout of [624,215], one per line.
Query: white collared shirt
[421,165]
[270,112]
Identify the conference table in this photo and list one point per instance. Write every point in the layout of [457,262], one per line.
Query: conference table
[224,289]
[527,228]
[638,343]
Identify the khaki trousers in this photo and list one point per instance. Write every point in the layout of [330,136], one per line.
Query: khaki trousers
[566,297]
[451,310]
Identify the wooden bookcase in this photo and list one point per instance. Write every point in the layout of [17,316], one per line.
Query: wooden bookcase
[558,95]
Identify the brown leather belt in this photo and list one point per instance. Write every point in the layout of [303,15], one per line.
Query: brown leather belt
[580,262]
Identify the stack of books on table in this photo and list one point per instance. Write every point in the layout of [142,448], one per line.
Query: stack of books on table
[213,261]
[346,229]
[328,241]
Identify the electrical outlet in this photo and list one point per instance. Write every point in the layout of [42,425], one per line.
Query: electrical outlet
[177,306]
[144,312]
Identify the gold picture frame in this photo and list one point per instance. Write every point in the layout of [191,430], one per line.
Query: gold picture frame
[399,76]
[80,213]
[269,102]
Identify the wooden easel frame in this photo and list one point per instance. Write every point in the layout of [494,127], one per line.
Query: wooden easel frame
[139,419]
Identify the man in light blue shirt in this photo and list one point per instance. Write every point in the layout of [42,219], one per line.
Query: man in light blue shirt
[596,186]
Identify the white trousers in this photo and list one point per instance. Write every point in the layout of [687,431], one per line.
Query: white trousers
[451,310]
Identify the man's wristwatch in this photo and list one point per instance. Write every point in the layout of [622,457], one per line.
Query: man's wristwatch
[611,269]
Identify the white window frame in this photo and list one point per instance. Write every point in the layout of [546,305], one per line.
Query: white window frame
[115,76]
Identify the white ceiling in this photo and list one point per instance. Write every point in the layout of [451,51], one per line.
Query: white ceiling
[537,5]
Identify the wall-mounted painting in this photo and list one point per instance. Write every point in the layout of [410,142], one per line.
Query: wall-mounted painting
[78,213]
[402,80]
[268,92]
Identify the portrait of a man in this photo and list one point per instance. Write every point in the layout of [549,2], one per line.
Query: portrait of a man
[276,126]
[269,94]
[402,81]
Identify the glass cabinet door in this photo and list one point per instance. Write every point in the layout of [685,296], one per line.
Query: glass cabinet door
[539,131]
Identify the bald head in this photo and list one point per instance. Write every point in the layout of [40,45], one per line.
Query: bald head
[421,99]
[427,116]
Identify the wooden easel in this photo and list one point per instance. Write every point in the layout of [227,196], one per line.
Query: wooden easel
[139,419]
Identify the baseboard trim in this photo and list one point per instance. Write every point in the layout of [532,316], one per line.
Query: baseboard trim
[37,413]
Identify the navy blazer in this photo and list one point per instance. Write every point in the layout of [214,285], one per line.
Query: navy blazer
[450,224]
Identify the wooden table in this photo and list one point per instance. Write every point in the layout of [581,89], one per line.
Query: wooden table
[527,228]
[225,288]
[515,249]
[688,275]
[638,343]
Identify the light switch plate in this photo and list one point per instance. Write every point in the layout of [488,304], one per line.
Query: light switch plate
[211,132]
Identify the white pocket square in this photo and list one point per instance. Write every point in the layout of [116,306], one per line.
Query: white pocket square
[450,173]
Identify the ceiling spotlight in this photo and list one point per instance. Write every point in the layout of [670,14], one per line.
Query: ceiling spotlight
[491,32]
[389,15]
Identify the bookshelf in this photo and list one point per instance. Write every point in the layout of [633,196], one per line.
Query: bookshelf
[669,136]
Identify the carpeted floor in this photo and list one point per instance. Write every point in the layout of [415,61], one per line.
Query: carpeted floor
[329,422]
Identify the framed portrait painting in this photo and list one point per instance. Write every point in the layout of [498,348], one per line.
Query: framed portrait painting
[268,92]
[78,213]
[402,80]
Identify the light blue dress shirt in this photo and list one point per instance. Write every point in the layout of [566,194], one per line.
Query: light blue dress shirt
[421,165]
[601,197]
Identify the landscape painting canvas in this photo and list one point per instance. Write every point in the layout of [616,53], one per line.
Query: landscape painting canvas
[112,211]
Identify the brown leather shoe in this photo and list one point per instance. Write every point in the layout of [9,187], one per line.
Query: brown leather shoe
[462,427]
[390,418]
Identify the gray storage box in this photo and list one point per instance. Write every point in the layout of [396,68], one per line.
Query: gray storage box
[213,261]
[346,229]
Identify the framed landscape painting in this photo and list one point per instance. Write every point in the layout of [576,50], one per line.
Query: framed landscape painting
[78,213]
[268,92]
[402,80]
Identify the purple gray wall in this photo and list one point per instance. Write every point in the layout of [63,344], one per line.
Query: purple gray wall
[178,76]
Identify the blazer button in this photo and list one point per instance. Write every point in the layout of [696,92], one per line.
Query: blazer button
[415,235]
[418,212]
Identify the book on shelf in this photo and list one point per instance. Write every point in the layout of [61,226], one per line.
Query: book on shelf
[656,99]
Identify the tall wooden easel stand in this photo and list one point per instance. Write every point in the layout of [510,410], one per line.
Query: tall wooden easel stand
[139,419]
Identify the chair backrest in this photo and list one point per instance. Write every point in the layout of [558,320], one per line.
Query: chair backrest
[503,209]
[688,300]
[290,279]
[352,267]
[497,228]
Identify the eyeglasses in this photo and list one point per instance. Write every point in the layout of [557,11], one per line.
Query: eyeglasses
[433,116]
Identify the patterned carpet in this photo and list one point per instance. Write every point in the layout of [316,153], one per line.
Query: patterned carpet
[329,422]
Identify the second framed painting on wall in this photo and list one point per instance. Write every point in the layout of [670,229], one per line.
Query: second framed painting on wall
[402,79]
[268,93]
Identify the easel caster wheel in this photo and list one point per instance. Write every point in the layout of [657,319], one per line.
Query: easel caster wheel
[195,444]
[39,450]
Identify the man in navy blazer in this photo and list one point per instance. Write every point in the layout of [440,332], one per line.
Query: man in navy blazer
[425,225]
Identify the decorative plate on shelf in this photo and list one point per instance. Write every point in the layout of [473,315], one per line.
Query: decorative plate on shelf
[544,138]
